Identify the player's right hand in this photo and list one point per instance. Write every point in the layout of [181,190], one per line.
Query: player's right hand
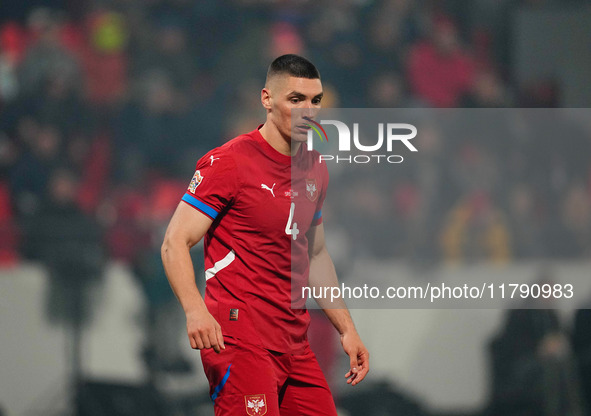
[204,331]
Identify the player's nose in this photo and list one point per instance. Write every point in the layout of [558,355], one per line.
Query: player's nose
[309,112]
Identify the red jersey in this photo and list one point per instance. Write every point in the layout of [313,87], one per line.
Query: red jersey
[261,214]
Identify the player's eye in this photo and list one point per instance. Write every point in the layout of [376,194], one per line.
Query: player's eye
[294,100]
[316,100]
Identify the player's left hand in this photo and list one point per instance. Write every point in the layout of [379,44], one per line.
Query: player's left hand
[358,357]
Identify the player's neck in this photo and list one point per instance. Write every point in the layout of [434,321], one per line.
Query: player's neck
[277,142]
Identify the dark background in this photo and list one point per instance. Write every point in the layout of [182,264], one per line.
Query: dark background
[105,106]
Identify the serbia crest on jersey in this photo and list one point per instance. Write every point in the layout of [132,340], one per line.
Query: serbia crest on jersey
[262,204]
[256,405]
[311,189]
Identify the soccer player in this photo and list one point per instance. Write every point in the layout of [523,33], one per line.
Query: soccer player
[263,232]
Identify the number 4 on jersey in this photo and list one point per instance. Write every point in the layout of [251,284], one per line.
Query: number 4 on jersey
[289,229]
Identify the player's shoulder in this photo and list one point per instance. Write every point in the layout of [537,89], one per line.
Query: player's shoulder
[242,144]
[235,148]
[227,154]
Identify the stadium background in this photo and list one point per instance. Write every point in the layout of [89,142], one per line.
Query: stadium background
[106,105]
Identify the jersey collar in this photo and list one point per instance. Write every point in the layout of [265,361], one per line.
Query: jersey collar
[269,150]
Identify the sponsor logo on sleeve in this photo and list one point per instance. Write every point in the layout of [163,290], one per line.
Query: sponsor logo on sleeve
[197,178]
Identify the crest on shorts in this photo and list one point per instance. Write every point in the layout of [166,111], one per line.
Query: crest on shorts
[197,178]
[311,189]
[256,404]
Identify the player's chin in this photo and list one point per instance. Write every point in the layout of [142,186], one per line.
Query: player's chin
[299,135]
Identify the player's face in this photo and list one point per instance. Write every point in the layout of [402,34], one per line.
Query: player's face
[287,93]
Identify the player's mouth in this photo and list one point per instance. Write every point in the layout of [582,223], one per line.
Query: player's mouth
[305,125]
[303,128]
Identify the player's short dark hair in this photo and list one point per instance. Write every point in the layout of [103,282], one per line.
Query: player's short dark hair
[293,65]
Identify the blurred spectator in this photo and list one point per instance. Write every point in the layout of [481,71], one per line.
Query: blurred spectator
[10,235]
[439,71]
[365,200]
[475,169]
[68,242]
[533,368]
[581,341]
[475,230]
[576,220]
[487,92]
[12,48]
[105,60]
[386,90]
[59,103]
[539,93]
[524,220]
[30,175]
[8,155]
[164,322]
[284,38]
[245,109]
[48,55]
[127,236]
[393,28]
[419,199]
[152,133]
[347,68]
[167,52]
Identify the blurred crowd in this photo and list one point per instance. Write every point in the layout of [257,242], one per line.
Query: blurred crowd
[105,106]
[540,364]
[493,185]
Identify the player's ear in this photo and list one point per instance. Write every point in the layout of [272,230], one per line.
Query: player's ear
[266,98]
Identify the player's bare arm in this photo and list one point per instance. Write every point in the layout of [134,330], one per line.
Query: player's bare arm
[322,273]
[187,227]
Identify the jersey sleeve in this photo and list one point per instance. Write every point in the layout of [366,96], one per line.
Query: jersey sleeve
[317,220]
[214,184]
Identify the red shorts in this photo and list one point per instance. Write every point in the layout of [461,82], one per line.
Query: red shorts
[248,380]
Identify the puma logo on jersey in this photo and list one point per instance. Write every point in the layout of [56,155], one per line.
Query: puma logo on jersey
[263,186]
[212,159]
